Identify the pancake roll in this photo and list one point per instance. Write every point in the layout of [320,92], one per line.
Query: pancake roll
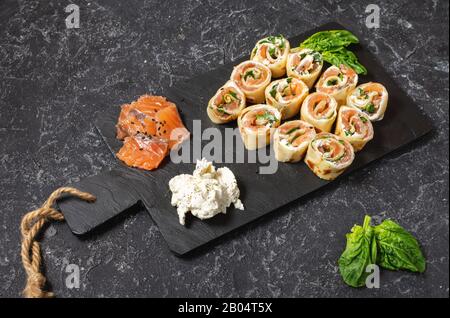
[286,95]
[337,82]
[226,104]
[256,125]
[354,126]
[291,140]
[329,155]
[320,110]
[305,65]
[252,78]
[371,98]
[272,51]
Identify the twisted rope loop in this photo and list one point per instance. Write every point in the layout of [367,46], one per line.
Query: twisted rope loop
[31,225]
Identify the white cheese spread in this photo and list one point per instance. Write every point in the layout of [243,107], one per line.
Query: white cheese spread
[206,192]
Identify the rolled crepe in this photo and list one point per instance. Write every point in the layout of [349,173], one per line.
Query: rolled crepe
[286,95]
[305,65]
[354,126]
[320,110]
[329,155]
[291,140]
[337,82]
[371,98]
[256,124]
[273,52]
[252,78]
[226,104]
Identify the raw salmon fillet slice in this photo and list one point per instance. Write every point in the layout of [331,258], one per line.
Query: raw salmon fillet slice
[150,127]
[139,116]
[141,151]
[170,127]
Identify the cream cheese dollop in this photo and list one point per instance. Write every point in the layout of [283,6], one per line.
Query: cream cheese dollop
[205,193]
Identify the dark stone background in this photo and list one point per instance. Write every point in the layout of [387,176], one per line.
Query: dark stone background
[52,80]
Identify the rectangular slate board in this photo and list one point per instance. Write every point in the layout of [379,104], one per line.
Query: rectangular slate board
[123,187]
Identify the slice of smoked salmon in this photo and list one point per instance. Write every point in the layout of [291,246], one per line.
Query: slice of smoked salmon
[139,116]
[157,102]
[151,126]
[143,152]
[134,119]
[170,126]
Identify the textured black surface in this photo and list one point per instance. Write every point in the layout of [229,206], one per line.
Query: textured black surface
[262,193]
[53,80]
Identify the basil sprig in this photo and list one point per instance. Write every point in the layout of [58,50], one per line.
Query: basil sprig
[387,245]
[333,47]
[360,252]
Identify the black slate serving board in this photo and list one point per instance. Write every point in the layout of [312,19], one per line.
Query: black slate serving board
[122,187]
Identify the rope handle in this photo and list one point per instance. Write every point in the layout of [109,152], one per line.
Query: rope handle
[31,225]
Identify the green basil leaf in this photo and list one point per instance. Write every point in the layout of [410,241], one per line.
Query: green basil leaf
[397,248]
[332,45]
[343,56]
[359,253]
[329,40]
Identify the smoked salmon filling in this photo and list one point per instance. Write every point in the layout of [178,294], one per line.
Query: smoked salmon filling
[337,82]
[256,124]
[320,110]
[226,104]
[286,95]
[354,126]
[371,98]
[146,125]
[252,78]
[305,65]
[291,140]
[273,52]
[329,155]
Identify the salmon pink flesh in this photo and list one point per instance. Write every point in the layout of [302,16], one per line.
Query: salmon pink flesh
[150,127]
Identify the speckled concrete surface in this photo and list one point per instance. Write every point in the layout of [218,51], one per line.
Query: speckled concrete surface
[53,79]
